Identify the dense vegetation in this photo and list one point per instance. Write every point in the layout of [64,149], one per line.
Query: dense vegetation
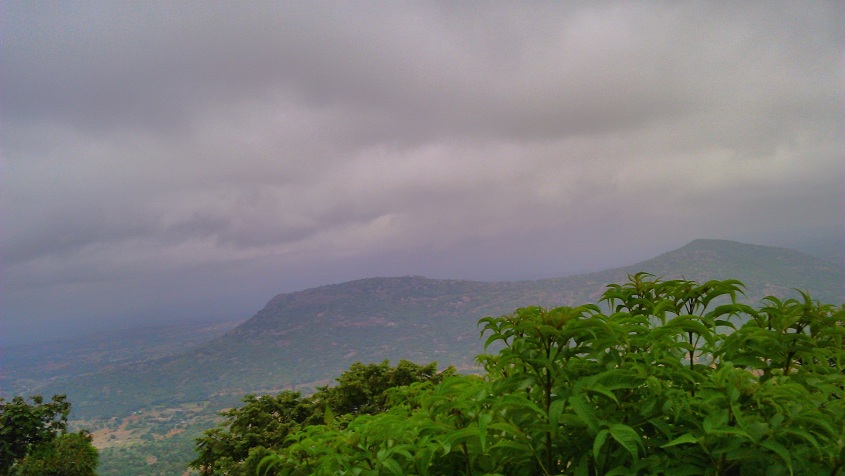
[663,377]
[248,433]
[34,440]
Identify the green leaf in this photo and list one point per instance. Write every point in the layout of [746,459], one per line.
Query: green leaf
[483,420]
[799,433]
[393,467]
[584,409]
[780,450]
[627,437]
[461,435]
[555,410]
[686,438]
[715,420]
[601,437]
[601,390]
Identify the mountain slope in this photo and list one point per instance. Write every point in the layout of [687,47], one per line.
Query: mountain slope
[307,337]
[765,270]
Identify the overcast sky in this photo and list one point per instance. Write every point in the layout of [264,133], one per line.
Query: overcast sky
[180,160]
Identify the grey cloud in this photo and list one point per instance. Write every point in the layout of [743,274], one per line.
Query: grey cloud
[424,67]
[282,145]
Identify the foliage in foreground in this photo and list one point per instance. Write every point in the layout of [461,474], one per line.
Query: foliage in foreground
[34,440]
[263,424]
[669,377]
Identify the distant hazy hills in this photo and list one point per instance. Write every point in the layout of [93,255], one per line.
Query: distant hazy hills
[310,336]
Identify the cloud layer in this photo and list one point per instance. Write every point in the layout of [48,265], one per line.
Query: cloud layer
[182,160]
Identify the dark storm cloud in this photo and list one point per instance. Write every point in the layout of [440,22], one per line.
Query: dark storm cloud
[156,153]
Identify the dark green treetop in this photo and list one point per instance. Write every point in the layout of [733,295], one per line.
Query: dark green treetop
[34,439]
[263,424]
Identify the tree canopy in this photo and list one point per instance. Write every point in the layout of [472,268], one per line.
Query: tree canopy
[658,377]
[34,439]
[263,423]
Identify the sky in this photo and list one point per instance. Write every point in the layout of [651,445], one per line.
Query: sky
[170,161]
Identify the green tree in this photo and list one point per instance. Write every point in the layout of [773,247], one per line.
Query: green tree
[263,424]
[34,439]
[68,454]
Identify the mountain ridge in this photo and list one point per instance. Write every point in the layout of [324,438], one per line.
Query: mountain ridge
[306,337]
